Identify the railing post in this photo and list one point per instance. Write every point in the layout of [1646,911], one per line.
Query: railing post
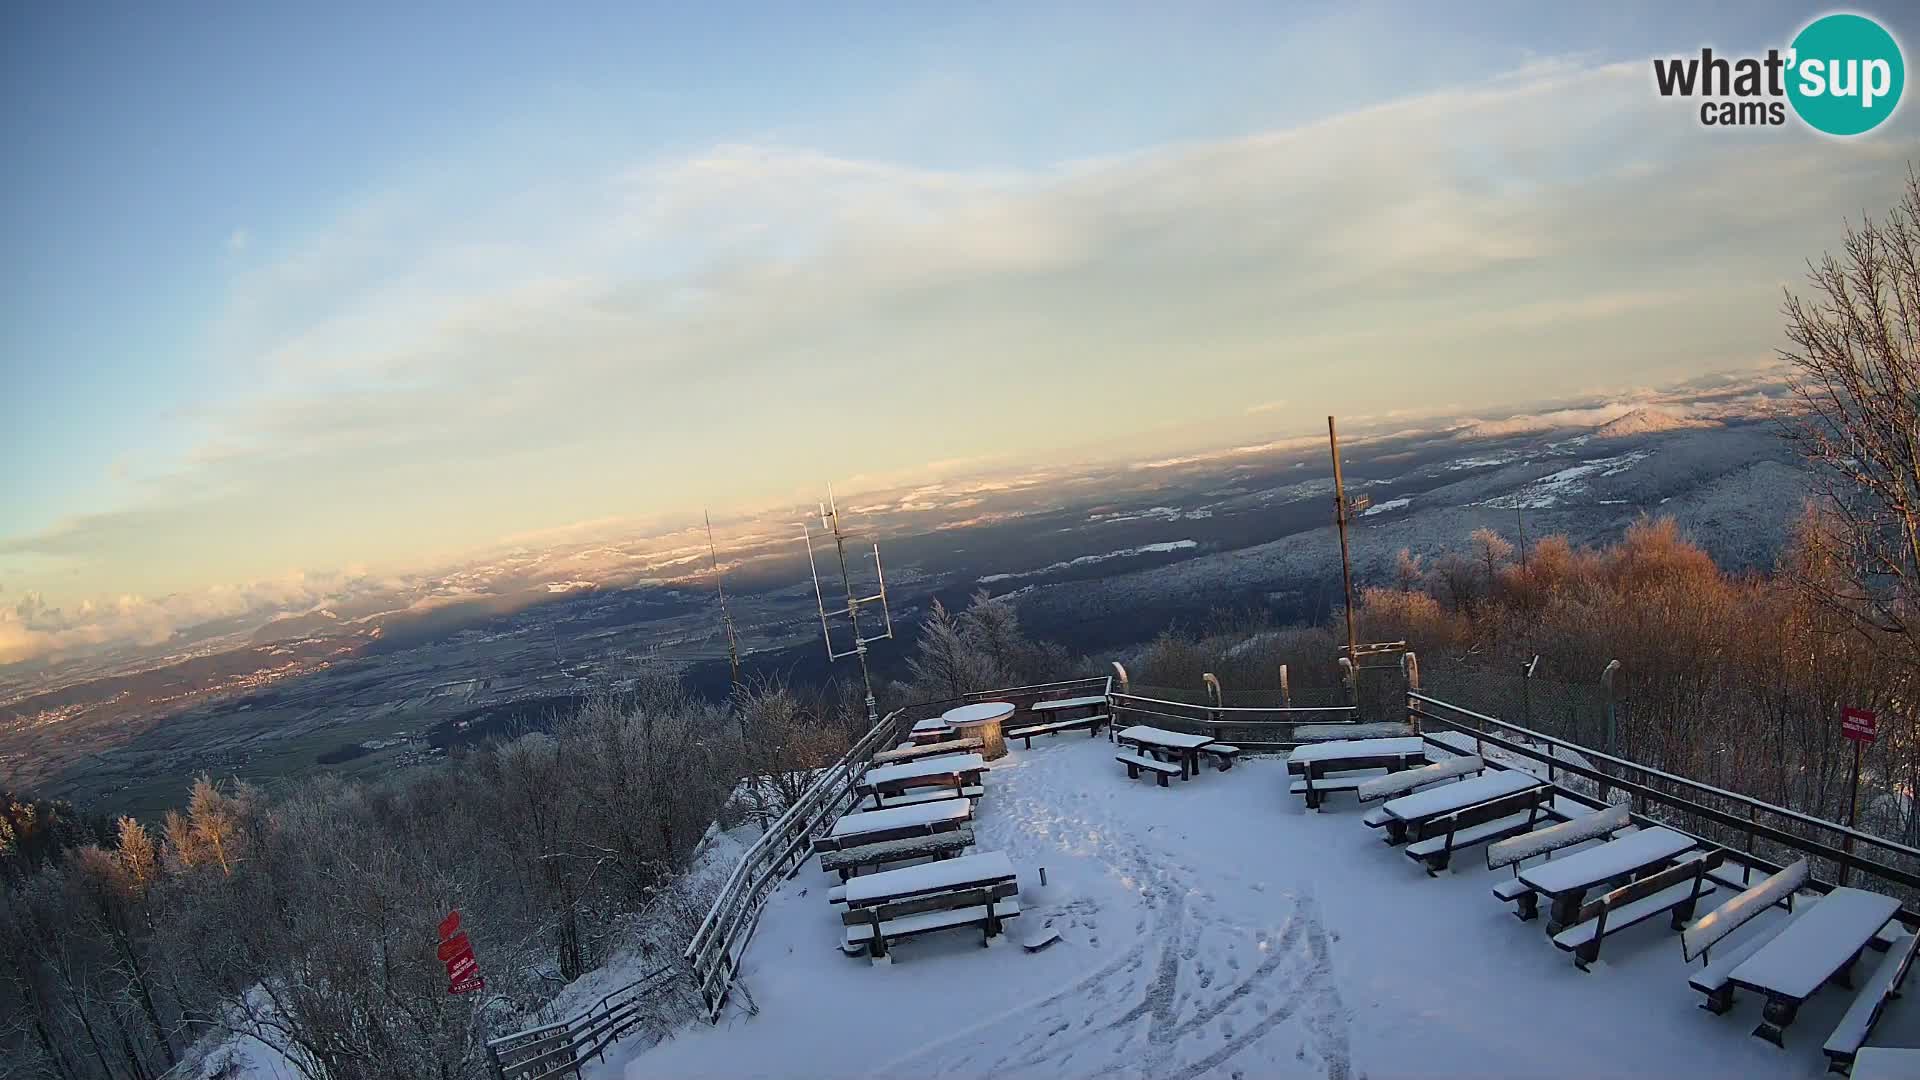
[1120,676]
[1213,695]
[1286,689]
[1350,682]
[1410,664]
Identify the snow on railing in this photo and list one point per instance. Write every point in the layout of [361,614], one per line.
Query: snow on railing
[1264,727]
[713,954]
[557,1049]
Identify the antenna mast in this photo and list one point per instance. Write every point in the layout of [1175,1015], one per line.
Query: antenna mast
[830,523]
[726,620]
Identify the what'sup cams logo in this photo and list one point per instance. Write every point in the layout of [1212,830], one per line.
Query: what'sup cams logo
[1842,75]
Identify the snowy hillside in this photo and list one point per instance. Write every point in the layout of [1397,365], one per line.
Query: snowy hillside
[1214,929]
[1646,421]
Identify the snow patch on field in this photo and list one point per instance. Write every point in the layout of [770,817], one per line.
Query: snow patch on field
[1089,560]
[1381,508]
[1556,488]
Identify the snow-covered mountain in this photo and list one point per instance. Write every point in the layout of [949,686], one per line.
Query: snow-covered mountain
[1647,420]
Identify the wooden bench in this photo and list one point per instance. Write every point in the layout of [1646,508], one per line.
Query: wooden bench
[941,845]
[1435,841]
[1093,724]
[916,751]
[948,776]
[1819,948]
[1676,889]
[1345,764]
[1516,850]
[1222,753]
[1884,984]
[1886,1063]
[1707,931]
[877,925]
[1136,762]
[1412,811]
[1399,783]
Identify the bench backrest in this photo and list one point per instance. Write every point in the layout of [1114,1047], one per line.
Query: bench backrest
[1696,939]
[1690,868]
[975,896]
[1381,787]
[1566,834]
[1492,810]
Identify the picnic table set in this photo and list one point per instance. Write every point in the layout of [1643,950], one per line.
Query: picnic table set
[1613,871]
[1148,748]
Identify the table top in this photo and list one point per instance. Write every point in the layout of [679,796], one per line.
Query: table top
[1352,748]
[977,713]
[1816,943]
[1445,798]
[901,817]
[938,876]
[1885,1063]
[944,765]
[1615,858]
[1068,703]
[1178,740]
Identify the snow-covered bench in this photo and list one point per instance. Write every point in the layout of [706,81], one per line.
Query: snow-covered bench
[1161,770]
[1345,764]
[915,751]
[1435,841]
[973,890]
[1886,1063]
[1399,783]
[1222,753]
[1710,929]
[936,846]
[1857,1024]
[1516,850]
[1676,889]
[1093,724]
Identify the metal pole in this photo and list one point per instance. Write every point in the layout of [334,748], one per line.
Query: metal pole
[853,612]
[1853,810]
[1340,520]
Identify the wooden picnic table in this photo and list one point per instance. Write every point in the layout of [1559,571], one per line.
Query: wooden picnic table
[895,823]
[1820,944]
[1351,749]
[1411,810]
[1092,703]
[1566,881]
[932,729]
[915,751]
[1186,746]
[958,771]
[1885,1063]
[965,872]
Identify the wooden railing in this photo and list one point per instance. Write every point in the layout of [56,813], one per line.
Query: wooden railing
[560,1048]
[1263,728]
[713,955]
[1768,836]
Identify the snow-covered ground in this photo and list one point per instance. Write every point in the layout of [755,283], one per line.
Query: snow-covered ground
[1214,928]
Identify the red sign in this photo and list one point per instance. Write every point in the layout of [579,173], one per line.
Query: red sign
[467,987]
[1857,724]
[463,971]
[462,967]
[450,925]
[454,946]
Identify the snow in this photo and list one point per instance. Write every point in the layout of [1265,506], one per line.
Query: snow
[1449,797]
[1608,861]
[900,817]
[1069,703]
[1147,733]
[1089,560]
[1729,916]
[1383,507]
[930,877]
[1554,837]
[976,713]
[1352,748]
[1554,488]
[946,765]
[1395,783]
[1225,932]
[1818,942]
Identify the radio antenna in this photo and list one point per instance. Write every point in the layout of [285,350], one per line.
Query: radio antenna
[726,620]
[830,524]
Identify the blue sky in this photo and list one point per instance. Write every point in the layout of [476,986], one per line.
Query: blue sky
[300,290]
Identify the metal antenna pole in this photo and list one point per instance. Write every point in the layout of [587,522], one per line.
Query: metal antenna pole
[1340,519]
[853,607]
[726,620]
[830,522]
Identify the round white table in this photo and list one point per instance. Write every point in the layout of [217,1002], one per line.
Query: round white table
[981,721]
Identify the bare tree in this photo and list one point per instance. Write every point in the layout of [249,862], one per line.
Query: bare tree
[1855,350]
[1490,549]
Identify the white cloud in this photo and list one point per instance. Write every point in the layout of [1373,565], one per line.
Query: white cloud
[238,239]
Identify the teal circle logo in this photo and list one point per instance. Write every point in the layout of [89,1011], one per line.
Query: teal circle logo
[1847,74]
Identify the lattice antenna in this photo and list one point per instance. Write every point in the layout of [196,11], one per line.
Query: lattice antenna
[830,523]
[726,620]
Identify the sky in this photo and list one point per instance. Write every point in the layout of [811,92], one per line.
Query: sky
[303,292]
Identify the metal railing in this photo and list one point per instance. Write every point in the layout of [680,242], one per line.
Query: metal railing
[1266,728]
[559,1048]
[713,955]
[1769,836]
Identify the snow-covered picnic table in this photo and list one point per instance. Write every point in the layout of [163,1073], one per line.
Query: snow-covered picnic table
[932,729]
[964,715]
[1886,1063]
[967,871]
[961,772]
[1186,746]
[1410,810]
[1354,759]
[1048,708]
[898,821]
[1821,943]
[1567,880]
[1342,749]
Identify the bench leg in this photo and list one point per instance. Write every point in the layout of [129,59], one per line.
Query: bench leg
[1566,907]
[1133,771]
[1438,861]
[1843,978]
[1527,907]
[1774,1020]
[1162,778]
[1587,954]
[1719,1001]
